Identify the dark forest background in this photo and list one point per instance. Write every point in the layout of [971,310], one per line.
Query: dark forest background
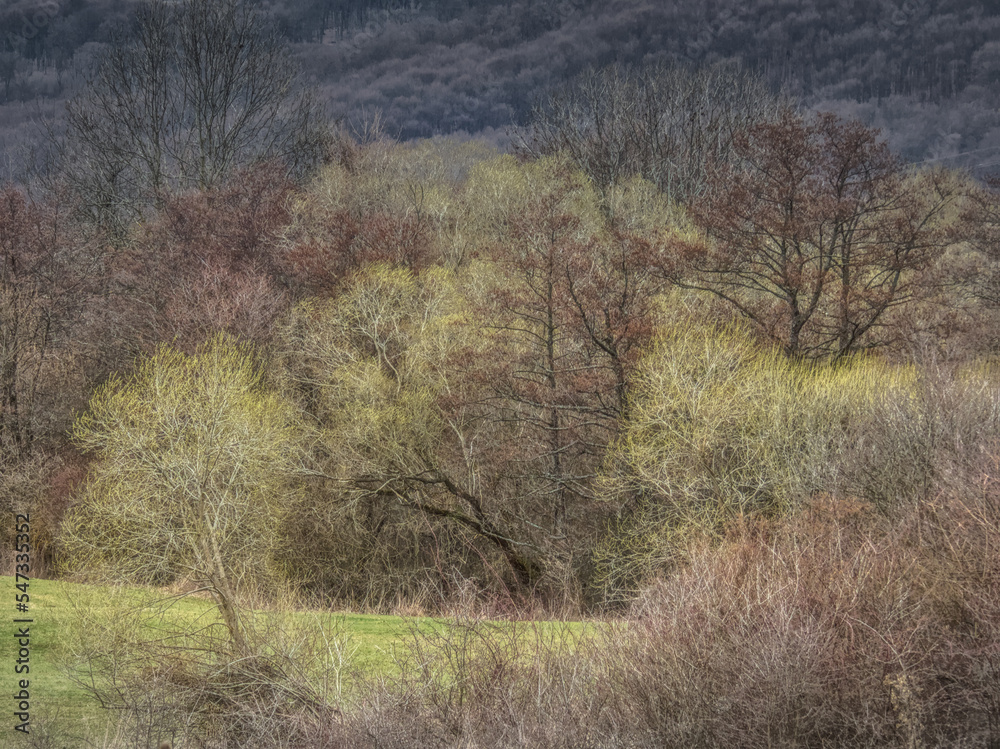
[924,71]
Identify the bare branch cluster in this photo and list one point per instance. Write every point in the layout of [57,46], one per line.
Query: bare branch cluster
[189,93]
[666,124]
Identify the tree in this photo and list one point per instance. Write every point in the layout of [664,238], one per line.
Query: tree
[481,398]
[193,91]
[194,464]
[205,262]
[380,202]
[374,368]
[575,304]
[47,275]
[981,220]
[662,123]
[817,233]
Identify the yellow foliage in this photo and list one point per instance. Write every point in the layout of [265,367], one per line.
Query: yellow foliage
[722,427]
[194,455]
[503,190]
[637,205]
[371,364]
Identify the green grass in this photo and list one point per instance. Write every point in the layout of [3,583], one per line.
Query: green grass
[334,648]
[53,695]
[367,642]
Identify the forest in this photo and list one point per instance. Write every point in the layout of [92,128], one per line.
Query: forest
[923,71]
[688,361]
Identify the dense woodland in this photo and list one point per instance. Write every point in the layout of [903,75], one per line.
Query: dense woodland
[690,359]
[924,71]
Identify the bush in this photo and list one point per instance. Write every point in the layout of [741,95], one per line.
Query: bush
[167,671]
[837,626]
[722,429]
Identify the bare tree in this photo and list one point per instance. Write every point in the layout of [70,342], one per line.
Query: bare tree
[818,234]
[189,93]
[47,272]
[663,123]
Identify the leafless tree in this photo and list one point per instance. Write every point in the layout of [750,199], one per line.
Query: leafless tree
[819,235]
[47,270]
[663,123]
[188,93]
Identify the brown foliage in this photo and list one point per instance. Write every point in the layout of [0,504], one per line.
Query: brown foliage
[50,286]
[206,263]
[237,222]
[818,235]
[350,240]
[48,275]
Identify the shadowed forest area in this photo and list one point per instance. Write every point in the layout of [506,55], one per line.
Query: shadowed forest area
[924,71]
[690,359]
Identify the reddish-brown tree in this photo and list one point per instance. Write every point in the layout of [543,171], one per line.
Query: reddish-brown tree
[575,306]
[563,320]
[47,272]
[817,232]
[206,263]
[50,279]
[350,239]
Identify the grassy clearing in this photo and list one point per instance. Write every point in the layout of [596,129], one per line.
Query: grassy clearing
[368,643]
[53,695]
[338,649]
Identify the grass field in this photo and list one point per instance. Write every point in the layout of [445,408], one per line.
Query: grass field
[68,618]
[73,622]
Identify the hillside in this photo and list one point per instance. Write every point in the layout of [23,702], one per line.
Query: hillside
[926,72]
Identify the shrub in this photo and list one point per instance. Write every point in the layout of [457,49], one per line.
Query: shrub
[721,429]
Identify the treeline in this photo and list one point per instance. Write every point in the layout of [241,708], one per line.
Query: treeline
[441,69]
[926,73]
[436,378]
[461,345]
[491,373]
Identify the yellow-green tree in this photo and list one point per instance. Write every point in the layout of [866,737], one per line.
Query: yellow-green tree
[722,427]
[195,461]
[380,371]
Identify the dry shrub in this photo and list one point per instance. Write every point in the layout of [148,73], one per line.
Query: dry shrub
[168,677]
[912,437]
[756,642]
[963,527]
[482,683]
[838,626]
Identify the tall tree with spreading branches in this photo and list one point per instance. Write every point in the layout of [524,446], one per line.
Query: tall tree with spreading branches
[186,95]
[818,234]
